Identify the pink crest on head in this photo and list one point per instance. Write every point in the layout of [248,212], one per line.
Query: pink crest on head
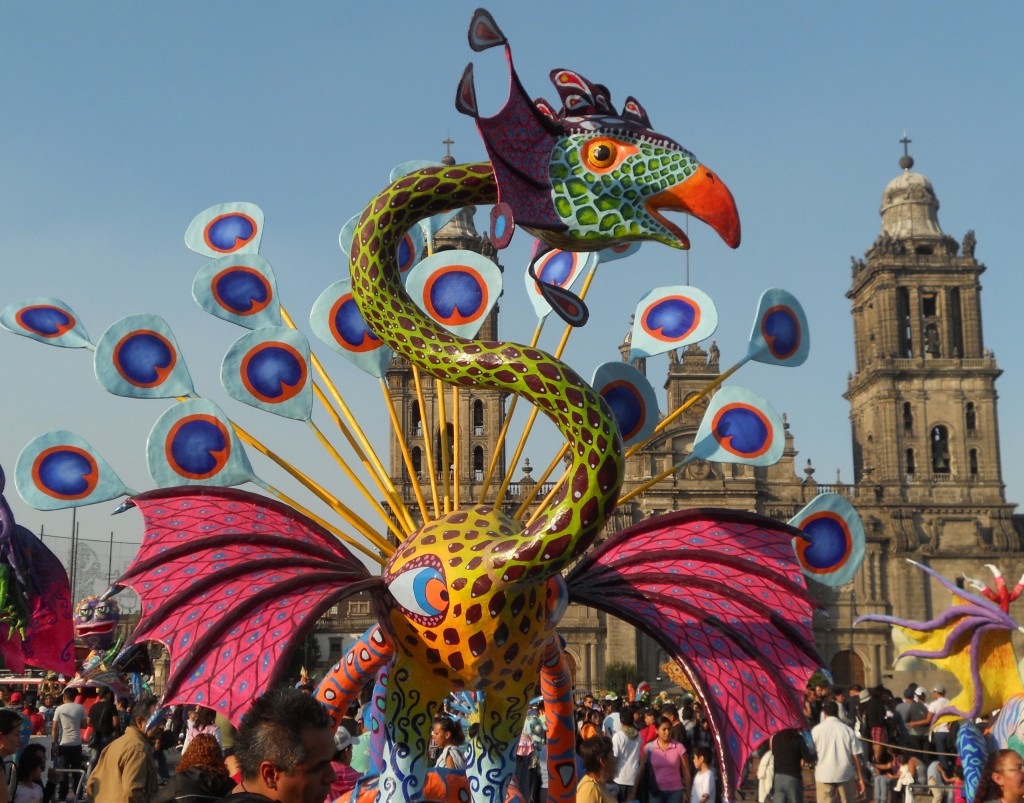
[484,31]
[580,95]
[546,109]
[465,96]
[632,110]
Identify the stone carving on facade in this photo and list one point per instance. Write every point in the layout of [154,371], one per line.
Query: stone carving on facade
[698,470]
[888,246]
[970,241]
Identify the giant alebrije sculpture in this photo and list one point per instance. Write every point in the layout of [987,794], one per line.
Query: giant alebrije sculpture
[230,581]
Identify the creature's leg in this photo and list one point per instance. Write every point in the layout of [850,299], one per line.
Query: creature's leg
[376,724]
[412,700]
[343,683]
[556,687]
[492,757]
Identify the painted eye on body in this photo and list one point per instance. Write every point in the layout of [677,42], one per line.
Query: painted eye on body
[603,154]
[422,592]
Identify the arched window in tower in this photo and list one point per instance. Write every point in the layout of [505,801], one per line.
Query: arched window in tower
[415,419]
[438,456]
[478,464]
[972,459]
[417,462]
[911,468]
[478,417]
[903,322]
[940,450]
[956,323]
[908,417]
[970,418]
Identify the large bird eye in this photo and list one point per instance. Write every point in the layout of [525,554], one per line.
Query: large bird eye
[421,591]
[604,154]
[600,153]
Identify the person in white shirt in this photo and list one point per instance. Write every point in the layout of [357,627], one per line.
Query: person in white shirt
[703,789]
[940,732]
[626,749]
[67,738]
[838,774]
[611,720]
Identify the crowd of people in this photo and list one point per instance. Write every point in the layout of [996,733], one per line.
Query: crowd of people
[863,744]
[653,751]
[114,751]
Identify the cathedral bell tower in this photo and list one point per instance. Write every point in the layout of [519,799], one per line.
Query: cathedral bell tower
[922,398]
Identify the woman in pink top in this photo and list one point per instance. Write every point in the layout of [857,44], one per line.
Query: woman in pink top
[670,765]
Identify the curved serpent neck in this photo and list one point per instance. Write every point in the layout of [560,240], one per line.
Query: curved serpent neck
[579,512]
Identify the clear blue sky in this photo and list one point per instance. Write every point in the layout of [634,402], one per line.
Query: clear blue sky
[123,120]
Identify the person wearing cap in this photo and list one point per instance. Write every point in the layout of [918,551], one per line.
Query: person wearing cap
[940,731]
[838,775]
[342,763]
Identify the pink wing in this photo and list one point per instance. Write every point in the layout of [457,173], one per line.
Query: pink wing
[230,582]
[723,593]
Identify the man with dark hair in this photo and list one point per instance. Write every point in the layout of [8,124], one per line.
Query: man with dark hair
[813,705]
[853,702]
[839,695]
[103,719]
[284,749]
[126,770]
[838,774]
[67,738]
[790,750]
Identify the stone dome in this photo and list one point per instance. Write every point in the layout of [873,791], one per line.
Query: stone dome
[910,208]
[460,227]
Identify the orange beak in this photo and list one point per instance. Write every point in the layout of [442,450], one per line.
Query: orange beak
[704,196]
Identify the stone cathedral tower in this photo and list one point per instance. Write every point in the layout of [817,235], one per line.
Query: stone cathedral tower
[923,412]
